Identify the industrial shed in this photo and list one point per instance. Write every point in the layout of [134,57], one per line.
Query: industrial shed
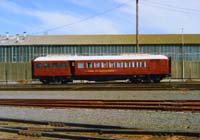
[16,52]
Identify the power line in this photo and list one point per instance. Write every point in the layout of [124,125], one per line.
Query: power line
[84,19]
[183,8]
[171,7]
[164,8]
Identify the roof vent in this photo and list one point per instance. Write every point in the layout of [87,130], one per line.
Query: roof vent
[24,35]
[7,35]
[17,38]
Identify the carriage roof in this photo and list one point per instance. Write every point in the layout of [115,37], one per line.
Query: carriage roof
[104,57]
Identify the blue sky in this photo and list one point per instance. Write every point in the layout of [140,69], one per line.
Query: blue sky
[98,16]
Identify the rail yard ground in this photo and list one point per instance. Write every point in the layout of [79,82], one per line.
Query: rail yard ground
[138,119]
[109,86]
[109,95]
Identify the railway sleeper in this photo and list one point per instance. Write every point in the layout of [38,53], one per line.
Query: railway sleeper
[30,133]
[56,124]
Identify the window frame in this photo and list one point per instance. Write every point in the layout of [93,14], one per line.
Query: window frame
[46,65]
[89,65]
[80,66]
[135,64]
[54,64]
[143,64]
[104,64]
[38,64]
[111,64]
[97,64]
[127,64]
[120,64]
[63,64]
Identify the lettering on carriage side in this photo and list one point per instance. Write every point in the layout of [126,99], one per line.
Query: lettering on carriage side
[107,70]
[90,71]
[101,71]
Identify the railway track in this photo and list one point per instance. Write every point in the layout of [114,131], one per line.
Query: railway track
[78,131]
[103,86]
[162,105]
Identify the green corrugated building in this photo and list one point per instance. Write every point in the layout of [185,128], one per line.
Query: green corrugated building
[16,52]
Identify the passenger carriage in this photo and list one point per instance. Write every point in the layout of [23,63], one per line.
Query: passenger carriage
[134,67]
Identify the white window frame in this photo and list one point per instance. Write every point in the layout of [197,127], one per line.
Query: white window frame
[80,65]
[143,64]
[89,65]
[119,64]
[135,64]
[127,64]
[96,64]
[104,64]
[111,64]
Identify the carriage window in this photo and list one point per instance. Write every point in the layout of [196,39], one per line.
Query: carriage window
[38,66]
[89,65]
[80,65]
[119,64]
[54,66]
[127,64]
[63,66]
[104,64]
[143,64]
[111,65]
[96,65]
[46,65]
[135,64]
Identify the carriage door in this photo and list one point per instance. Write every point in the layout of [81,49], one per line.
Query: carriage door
[72,67]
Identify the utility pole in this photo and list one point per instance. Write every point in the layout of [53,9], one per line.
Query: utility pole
[182,55]
[137,27]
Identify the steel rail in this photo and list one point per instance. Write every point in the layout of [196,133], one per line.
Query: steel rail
[164,105]
[6,122]
[103,86]
[52,132]
[84,128]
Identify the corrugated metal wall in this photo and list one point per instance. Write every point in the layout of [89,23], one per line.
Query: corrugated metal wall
[15,60]
[15,71]
[192,69]
[26,53]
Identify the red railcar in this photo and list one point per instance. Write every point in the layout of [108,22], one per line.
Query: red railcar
[135,67]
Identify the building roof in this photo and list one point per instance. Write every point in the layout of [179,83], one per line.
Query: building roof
[106,57]
[144,39]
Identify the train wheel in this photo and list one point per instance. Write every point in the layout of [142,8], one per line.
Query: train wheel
[64,81]
[135,81]
[156,80]
[151,81]
[45,81]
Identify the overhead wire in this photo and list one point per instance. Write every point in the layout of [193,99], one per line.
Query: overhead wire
[170,7]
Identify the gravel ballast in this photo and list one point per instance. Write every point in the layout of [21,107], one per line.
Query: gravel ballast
[127,118]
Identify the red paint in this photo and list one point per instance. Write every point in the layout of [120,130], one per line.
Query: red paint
[50,71]
[153,67]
